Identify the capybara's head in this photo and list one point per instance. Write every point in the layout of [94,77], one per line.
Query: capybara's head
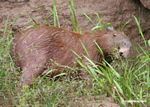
[115,42]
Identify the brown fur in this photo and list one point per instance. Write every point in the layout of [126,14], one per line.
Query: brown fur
[35,48]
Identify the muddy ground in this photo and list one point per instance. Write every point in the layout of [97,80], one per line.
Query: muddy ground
[117,12]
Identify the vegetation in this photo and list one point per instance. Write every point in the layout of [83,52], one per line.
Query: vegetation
[55,15]
[127,81]
[100,25]
[73,17]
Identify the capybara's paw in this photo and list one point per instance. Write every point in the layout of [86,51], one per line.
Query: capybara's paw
[26,79]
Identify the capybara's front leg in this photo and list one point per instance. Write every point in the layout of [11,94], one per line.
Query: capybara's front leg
[30,73]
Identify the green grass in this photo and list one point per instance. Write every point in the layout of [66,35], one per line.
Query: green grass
[127,81]
[73,18]
[140,29]
[55,15]
[100,24]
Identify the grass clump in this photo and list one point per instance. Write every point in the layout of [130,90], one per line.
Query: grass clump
[8,71]
[74,21]
[127,82]
[100,24]
[137,21]
[55,15]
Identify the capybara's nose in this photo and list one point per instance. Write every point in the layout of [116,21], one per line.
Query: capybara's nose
[124,52]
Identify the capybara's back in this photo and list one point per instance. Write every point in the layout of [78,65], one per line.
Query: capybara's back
[36,49]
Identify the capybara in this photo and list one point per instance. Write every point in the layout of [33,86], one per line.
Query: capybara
[38,48]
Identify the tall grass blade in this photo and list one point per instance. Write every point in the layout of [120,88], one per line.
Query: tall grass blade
[55,15]
[73,17]
[88,18]
[140,29]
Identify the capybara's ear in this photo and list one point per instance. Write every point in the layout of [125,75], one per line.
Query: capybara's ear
[110,28]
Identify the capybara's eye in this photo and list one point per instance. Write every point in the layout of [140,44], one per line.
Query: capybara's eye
[118,47]
[114,35]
